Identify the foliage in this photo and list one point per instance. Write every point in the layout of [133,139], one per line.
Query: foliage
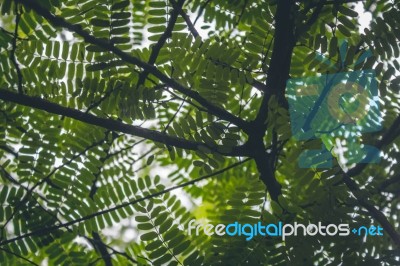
[119,114]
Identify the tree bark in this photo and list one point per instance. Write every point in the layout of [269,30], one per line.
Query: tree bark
[265,165]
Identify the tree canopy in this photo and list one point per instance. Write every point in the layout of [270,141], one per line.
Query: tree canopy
[123,120]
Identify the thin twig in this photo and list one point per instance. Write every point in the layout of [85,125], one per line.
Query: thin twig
[123,205]
[19,256]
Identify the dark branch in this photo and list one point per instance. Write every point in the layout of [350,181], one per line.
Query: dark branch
[102,99]
[9,150]
[201,10]
[9,177]
[102,248]
[388,182]
[242,12]
[155,50]
[277,76]
[93,188]
[19,256]
[189,23]
[113,125]
[314,16]
[278,72]
[114,251]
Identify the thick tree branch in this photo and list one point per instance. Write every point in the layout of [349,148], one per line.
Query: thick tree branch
[102,248]
[266,167]
[167,33]
[259,86]
[278,71]
[278,74]
[213,109]
[113,125]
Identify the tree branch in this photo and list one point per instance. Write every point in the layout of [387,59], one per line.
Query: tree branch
[9,150]
[155,50]
[213,109]
[93,188]
[375,213]
[314,16]
[102,248]
[114,251]
[391,134]
[278,72]
[201,10]
[242,12]
[393,180]
[113,125]
[277,75]
[189,23]
[19,256]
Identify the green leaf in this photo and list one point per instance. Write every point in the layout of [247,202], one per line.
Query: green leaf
[141,219]
[346,22]
[148,236]
[150,159]
[344,30]
[164,259]
[120,5]
[181,248]
[347,11]
[157,29]
[100,22]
